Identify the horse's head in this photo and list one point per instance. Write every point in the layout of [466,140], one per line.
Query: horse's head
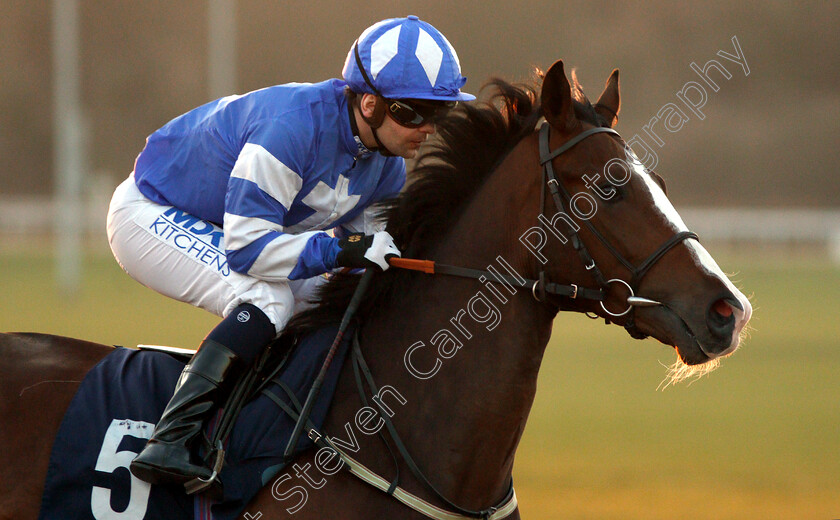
[635,238]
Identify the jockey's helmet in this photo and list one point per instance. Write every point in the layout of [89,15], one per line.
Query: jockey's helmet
[405,58]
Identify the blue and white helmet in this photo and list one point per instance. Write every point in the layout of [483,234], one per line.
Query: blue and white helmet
[405,58]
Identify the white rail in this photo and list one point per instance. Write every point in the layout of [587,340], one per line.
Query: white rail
[34,215]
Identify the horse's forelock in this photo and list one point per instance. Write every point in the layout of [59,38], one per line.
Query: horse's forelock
[583,108]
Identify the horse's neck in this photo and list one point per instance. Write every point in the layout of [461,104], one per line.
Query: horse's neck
[465,419]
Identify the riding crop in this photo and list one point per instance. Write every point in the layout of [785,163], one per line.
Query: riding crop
[316,386]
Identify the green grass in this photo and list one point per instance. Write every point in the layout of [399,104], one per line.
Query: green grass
[758,438]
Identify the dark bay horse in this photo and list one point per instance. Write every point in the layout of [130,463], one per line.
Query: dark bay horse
[458,357]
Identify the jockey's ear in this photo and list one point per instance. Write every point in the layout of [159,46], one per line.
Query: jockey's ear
[609,103]
[367,105]
[556,99]
[373,109]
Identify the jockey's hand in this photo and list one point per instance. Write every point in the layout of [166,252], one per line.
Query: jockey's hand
[360,250]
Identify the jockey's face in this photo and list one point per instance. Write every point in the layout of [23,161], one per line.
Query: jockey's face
[400,140]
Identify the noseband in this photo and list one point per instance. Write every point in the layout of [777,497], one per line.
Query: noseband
[562,198]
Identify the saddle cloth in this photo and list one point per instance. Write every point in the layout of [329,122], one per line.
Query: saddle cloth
[114,412]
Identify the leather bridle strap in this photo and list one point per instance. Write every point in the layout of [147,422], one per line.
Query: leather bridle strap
[414,502]
[430,267]
[546,155]
[557,189]
[570,291]
[643,268]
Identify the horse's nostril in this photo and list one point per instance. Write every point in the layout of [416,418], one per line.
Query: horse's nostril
[723,308]
[721,318]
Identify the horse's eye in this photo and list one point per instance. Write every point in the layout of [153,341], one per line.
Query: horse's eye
[610,193]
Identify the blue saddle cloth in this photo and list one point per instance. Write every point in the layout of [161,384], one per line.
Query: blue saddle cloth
[114,412]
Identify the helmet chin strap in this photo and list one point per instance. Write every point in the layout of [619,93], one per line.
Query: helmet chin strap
[374,122]
[381,148]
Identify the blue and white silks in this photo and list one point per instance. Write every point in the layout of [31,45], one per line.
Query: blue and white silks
[275,167]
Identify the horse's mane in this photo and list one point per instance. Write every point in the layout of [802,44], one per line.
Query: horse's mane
[471,141]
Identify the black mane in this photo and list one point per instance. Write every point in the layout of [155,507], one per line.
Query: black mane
[470,144]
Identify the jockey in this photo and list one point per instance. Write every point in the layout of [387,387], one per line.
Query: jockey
[228,205]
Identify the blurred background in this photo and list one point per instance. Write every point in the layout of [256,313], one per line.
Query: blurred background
[85,81]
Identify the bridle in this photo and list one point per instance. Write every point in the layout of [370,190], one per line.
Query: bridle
[541,288]
[562,199]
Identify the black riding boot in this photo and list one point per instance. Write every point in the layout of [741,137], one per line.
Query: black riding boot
[167,459]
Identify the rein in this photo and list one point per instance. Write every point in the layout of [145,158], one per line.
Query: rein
[539,286]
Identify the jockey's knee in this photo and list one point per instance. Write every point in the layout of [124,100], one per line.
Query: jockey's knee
[274,299]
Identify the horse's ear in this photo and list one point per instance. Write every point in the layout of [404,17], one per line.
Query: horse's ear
[556,99]
[609,103]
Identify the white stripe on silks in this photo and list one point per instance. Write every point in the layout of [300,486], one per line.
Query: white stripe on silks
[339,197]
[430,55]
[256,164]
[329,204]
[384,49]
[321,197]
[280,256]
[241,231]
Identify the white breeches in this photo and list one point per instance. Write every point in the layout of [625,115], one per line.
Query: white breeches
[183,257]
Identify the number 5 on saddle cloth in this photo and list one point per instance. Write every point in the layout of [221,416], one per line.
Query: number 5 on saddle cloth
[118,403]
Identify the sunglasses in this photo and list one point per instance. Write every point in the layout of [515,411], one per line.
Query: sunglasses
[417,113]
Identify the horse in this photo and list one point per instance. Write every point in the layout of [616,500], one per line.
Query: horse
[536,221]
